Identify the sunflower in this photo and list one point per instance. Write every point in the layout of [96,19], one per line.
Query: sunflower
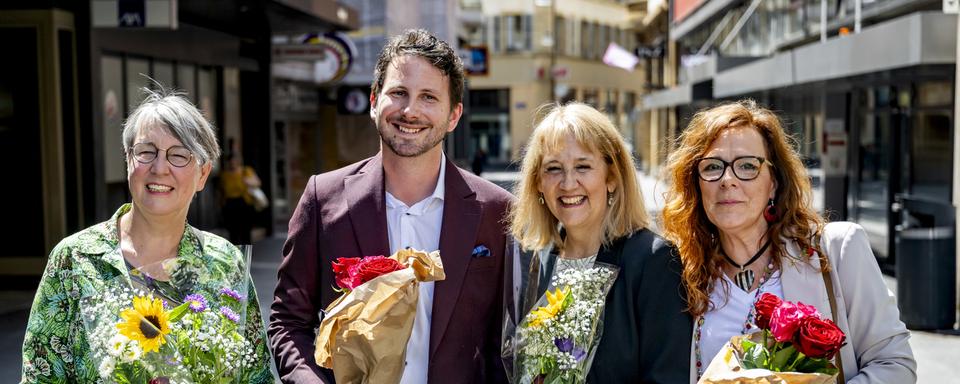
[146,323]
[556,302]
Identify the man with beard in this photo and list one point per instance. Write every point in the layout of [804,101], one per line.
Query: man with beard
[408,195]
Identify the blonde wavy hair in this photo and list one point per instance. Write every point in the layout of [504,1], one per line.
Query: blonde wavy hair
[684,221]
[532,223]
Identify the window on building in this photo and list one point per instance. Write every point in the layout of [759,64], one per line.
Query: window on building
[518,33]
[573,37]
[495,38]
[561,35]
[591,97]
[586,39]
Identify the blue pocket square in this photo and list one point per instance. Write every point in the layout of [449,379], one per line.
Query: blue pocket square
[480,251]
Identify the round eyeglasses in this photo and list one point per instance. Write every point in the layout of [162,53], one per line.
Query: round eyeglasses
[178,156]
[744,167]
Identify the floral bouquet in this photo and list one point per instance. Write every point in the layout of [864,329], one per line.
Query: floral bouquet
[139,335]
[794,345]
[556,341]
[363,334]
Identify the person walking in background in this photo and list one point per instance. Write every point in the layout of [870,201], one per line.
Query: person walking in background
[236,180]
[407,195]
[170,149]
[739,210]
[479,161]
[579,202]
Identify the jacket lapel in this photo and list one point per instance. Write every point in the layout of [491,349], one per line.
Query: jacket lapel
[367,208]
[458,233]
[801,280]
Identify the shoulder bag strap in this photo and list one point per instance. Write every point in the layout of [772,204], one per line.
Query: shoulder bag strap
[828,282]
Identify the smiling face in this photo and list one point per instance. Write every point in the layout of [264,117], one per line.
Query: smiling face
[573,181]
[159,188]
[734,205]
[412,112]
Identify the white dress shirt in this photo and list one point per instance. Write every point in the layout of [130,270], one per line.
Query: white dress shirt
[726,321]
[418,227]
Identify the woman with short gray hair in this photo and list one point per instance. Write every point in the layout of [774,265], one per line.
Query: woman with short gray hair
[170,149]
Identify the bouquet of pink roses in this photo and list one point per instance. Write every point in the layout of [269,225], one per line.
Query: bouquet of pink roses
[794,345]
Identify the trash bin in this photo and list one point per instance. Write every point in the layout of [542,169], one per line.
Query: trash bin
[926,263]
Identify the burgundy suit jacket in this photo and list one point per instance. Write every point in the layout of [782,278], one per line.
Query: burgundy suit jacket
[343,214]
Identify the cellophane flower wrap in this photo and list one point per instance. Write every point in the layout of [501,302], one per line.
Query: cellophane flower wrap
[556,340]
[795,344]
[363,335]
[192,330]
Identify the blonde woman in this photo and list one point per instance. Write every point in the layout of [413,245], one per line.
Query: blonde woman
[579,202]
[739,211]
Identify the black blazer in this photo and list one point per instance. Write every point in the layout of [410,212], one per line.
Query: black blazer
[646,333]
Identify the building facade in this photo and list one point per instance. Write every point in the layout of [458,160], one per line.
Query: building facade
[540,51]
[73,73]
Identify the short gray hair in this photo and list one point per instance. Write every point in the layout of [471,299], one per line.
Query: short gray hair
[171,111]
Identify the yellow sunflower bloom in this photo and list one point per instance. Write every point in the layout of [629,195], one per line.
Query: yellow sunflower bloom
[146,323]
[556,301]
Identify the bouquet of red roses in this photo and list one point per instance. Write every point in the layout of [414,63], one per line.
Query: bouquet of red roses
[794,345]
[363,334]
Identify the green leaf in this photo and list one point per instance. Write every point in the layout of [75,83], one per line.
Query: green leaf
[753,354]
[781,358]
[810,365]
[178,312]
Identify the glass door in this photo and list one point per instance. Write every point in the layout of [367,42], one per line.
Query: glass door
[881,144]
[38,136]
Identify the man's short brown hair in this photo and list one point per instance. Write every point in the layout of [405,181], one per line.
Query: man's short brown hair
[418,42]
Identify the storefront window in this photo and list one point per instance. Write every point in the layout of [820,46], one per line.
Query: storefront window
[931,155]
[875,151]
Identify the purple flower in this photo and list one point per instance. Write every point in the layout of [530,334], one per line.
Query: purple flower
[578,354]
[230,314]
[566,345]
[198,303]
[231,293]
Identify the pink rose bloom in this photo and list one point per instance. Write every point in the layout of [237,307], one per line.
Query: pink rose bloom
[786,319]
[808,310]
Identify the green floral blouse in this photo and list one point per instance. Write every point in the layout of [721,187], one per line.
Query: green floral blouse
[55,348]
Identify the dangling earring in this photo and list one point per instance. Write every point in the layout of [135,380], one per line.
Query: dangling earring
[541,199]
[609,199]
[770,213]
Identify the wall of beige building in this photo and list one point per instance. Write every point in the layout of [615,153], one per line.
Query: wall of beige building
[525,76]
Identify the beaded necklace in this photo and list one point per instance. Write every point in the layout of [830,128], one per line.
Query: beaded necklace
[747,324]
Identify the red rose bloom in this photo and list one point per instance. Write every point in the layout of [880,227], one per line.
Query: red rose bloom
[764,309]
[350,272]
[160,380]
[341,271]
[818,338]
[374,266]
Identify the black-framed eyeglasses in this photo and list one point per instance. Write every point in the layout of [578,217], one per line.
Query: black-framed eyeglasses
[178,156]
[744,167]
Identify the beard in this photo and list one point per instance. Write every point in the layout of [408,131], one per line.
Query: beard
[428,138]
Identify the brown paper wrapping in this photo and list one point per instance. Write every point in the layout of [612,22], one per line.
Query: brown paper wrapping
[725,369]
[363,336]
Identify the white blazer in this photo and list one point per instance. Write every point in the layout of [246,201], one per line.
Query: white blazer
[878,348]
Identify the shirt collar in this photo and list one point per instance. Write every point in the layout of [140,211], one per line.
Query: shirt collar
[104,239]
